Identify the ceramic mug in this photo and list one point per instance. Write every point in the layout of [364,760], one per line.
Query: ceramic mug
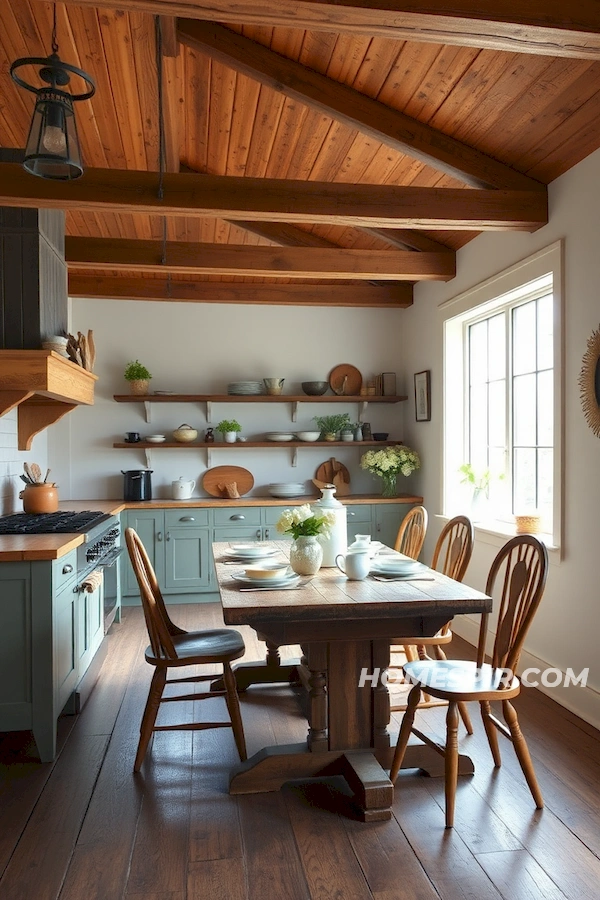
[355,565]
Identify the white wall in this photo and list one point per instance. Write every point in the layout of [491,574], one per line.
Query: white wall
[199,348]
[567,626]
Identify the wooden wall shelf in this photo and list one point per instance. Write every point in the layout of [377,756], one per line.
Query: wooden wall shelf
[148,446]
[294,399]
[44,387]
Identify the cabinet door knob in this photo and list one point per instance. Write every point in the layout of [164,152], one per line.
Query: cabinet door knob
[66,569]
[267,534]
[187,519]
[159,536]
[258,533]
[237,518]
[350,513]
[168,537]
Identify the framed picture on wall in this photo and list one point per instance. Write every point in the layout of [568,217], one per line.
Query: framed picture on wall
[423,396]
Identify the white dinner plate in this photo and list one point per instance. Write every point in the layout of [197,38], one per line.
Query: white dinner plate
[287,581]
[390,566]
[249,552]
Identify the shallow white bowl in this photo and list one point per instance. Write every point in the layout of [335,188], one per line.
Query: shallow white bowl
[156,438]
[279,436]
[268,571]
[308,435]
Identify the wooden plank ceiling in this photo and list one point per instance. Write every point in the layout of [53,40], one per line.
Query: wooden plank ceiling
[314,153]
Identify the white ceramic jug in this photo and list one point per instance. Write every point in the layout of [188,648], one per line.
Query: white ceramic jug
[337,541]
[182,489]
[355,564]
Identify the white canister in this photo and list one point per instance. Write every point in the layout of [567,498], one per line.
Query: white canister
[182,489]
[337,542]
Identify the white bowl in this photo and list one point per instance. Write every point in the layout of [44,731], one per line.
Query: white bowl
[267,571]
[279,436]
[308,435]
[156,438]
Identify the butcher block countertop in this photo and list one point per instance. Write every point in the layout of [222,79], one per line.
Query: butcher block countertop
[18,547]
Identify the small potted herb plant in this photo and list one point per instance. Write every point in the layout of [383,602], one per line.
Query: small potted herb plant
[330,426]
[229,428]
[138,377]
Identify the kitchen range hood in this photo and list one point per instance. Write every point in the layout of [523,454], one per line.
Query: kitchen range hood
[41,384]
[44,387]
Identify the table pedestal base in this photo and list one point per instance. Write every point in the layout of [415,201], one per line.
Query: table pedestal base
[363,770]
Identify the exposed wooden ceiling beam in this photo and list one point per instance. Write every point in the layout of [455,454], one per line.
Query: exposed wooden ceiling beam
[549,27]
[102,254]
[408,240]
[392,296]
[284,234]
[392,128]
[274,200]
[170,41]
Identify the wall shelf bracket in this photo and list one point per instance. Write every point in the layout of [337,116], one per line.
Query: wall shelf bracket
[363,410]
[148,409]
[209,412]
[295,411]
[294,457]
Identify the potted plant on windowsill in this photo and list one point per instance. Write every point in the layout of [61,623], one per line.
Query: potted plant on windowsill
[480,482]
[330,426]
[230,429]
[138,377]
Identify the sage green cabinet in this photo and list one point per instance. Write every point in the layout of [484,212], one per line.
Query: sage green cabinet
[178,544]
[49,634]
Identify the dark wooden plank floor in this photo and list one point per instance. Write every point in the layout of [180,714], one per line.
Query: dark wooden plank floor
[84,828]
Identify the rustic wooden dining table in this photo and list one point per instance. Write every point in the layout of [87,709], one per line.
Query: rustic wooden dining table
[345,629]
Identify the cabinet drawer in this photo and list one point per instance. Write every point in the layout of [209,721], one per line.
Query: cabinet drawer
[64,570]
[234,516]
[186,518]
[238,534]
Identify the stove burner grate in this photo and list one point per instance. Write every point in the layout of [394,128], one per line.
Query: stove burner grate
[63,522]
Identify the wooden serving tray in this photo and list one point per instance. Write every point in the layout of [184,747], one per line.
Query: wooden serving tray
[214,479]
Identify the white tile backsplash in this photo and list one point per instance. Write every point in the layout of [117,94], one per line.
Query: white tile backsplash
[11,462]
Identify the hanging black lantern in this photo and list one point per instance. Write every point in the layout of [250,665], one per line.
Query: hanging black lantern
[52,149]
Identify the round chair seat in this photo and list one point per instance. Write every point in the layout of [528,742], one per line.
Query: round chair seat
[204,646]
[451,677]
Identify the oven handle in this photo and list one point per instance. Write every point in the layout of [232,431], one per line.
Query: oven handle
[110,559]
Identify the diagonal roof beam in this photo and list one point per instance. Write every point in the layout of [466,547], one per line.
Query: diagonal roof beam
[390,296]
[107,254]
[407,240]
[279,200]
[392,128]
[548,27]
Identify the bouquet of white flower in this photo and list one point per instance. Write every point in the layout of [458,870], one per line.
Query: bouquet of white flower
[301,522]
[389,463]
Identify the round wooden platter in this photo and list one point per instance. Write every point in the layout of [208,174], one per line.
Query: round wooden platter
[334,472]
[215,479]
[345,379]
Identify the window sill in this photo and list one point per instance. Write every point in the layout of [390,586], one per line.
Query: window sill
[498,533]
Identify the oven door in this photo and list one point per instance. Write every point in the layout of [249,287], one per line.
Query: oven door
[112,587]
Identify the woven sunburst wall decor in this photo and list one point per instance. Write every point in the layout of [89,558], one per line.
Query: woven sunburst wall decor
[589,383]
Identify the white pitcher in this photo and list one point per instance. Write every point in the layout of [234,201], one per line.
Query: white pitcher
[182,489]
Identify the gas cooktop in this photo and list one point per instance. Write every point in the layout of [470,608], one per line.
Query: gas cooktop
[64,522]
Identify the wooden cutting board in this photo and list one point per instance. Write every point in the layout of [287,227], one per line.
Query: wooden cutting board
[334,472]
[214,479]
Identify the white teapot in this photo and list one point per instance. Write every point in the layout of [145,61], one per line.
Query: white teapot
[182,489]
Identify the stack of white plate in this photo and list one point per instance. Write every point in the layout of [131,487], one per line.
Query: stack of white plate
[279,436]
[394,565]
[245,387]
[286,489]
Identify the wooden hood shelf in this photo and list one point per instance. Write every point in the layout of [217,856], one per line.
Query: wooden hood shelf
[43,386]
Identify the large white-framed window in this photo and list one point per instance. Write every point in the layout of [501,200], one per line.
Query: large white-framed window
[503,397]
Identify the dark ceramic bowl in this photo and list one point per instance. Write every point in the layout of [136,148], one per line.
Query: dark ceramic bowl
[380,435]
[314,388]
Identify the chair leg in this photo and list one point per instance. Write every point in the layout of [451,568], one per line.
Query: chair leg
[410,653]
[451,769]
[490,730]
[407,721]
[157,686]
[233,705]
[464,714]
[522,752]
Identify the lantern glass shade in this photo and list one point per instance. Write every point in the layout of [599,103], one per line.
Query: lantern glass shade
[52,149]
